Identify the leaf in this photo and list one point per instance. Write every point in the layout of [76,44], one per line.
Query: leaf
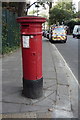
[50,109]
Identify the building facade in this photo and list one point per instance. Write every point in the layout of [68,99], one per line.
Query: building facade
[79,6]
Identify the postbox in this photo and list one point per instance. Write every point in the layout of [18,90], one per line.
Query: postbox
[31,43]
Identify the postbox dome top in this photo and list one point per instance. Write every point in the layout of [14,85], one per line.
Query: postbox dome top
[31,19]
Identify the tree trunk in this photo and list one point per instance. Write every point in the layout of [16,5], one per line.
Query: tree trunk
[21,7]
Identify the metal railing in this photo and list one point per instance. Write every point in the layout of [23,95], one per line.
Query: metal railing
[10,31]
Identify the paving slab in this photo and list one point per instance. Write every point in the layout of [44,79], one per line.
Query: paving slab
[55,114]
[28,115]
[62,78]
[10,88]
[71,80]
[10,107]
[49,75]
[74,94]
[46,102]
[0,107]
[49,84]
[58,92]
[63,98]
[17,98]
[33,108]
[61,114]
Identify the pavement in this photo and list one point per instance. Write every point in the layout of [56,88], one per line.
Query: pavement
[60,88]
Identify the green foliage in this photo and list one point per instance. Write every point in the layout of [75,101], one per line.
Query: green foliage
[66,6]
[13,6]
[10,32]
[59,15]
[7,49]
[63,11]
[72,23]
[77,14]
[18,7]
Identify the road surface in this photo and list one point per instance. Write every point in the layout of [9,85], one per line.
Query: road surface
[69,51]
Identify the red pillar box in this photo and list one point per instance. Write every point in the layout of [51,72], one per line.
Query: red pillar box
[31,41]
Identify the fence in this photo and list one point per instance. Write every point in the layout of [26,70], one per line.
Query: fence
[10,31]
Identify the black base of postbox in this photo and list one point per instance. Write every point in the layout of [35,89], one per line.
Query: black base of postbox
[33,88]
